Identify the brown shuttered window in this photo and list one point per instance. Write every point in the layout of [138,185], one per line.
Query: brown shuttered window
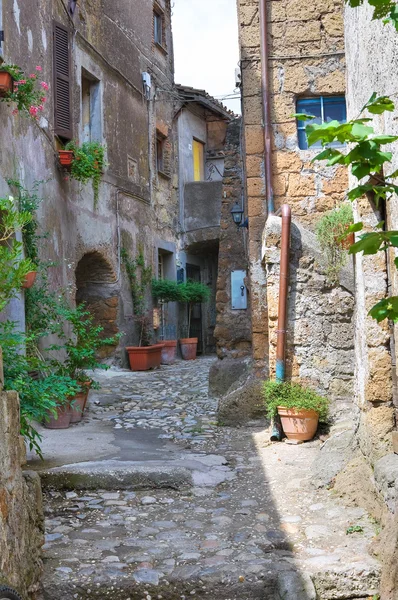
[62,82]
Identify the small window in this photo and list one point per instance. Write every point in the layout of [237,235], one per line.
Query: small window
[1,28]
[158,28]
[160,152]
[91,108]
[198,149]
[324,109]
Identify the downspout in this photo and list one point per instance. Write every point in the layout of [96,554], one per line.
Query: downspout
[266,106]
[283,290]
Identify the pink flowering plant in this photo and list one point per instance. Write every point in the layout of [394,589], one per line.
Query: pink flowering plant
[29,93]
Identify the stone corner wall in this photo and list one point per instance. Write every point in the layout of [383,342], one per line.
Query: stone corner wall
[21,513]
[233,327]
[320,330]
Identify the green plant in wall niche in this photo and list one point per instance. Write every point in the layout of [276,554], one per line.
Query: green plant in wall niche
[88,163]
[331,232]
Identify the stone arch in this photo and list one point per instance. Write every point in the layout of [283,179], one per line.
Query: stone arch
[96,286]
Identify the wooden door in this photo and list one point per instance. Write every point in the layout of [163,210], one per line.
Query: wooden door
[198,160]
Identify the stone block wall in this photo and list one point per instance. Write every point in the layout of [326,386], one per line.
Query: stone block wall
[306,58]
[233,330]
[21,516]
[320,330]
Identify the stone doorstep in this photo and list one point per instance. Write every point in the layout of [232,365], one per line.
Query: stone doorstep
[139,475]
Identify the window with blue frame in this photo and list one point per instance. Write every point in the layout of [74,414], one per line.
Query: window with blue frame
[324,109]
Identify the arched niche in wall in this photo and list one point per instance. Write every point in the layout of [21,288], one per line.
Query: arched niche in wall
[96,286]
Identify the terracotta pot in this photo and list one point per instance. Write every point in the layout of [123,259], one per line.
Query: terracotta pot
[189,347]
[62,421]
[66,158]
[29,279]
[6,84]
[143,358]
[346,242]
[86,385]
[77,405]
[298,424]
[169,352]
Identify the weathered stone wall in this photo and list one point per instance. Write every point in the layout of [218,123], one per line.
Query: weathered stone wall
[320,331]
[306,58]
[233,331]
[372,66]
[21,516]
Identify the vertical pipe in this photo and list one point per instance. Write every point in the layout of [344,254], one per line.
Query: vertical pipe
[283,290]
[266,106]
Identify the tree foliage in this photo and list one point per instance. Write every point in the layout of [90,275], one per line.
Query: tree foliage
[382,9]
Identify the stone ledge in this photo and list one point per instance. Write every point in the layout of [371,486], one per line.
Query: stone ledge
[386,478]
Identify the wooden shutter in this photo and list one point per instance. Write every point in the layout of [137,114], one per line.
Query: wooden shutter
[62,82]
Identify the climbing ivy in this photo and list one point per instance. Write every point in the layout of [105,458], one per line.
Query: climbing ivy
[140,278]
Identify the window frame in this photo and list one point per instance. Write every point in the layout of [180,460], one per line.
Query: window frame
[202,165]
[158,27]
[160,140]
[301,125]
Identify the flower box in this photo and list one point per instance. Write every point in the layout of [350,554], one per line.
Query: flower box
[143,358]
[66,158]
[6,84]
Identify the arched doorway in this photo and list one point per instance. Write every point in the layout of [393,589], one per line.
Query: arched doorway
[96,286]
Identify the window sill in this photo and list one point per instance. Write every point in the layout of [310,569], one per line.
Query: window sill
[162,49]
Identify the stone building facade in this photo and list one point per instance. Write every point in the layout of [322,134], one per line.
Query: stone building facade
[305,49]
[120,91]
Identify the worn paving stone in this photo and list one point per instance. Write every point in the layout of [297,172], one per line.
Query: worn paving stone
[256,535]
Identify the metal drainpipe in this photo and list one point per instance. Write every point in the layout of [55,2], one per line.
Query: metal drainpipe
[276,434]
[283,290]
[266,106]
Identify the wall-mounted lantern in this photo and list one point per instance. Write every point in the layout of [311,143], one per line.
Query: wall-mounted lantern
[237,215]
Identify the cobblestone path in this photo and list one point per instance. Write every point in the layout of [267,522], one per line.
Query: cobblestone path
[264,532]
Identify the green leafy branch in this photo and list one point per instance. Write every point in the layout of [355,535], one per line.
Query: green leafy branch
[382,9]
[367,158]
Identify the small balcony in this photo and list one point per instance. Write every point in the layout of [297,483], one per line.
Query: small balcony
[202,211]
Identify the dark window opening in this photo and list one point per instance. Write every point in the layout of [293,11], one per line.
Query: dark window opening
[324,109]
[158,28]
[160,153]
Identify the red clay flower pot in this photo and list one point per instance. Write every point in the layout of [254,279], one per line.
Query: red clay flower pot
[143,358]
[189,347]
[77,405]
[298,424]
[169,352]
[66,158]
[29,279]
[6,84]
[62,421]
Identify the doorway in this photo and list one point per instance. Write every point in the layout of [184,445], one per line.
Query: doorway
[196,329]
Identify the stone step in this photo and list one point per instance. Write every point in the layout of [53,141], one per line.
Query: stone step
[192,470]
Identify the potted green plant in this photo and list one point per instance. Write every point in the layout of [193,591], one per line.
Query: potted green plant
[334,237]
[300,408]
[146,355]
[27,92]
[191,293]
[88,162]
[165,291]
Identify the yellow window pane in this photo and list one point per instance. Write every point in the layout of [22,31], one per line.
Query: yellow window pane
[198,160]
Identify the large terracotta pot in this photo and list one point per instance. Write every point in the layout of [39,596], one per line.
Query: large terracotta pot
[29,279]
[298,424]
[143,358]
[77,405]
[169,352]
[62,421]
[188,347]
[6,83]
[66,158]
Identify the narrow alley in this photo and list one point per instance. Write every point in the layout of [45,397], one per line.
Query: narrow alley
[202,510]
